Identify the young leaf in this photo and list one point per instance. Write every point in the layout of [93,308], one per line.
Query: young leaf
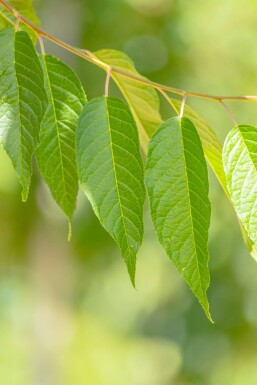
[177,184]
[56,155]
[111,172]
[23,102]
[240,165]
[213,152]
[142,99]
[25,8]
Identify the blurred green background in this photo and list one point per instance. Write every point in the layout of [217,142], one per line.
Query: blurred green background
[68,313]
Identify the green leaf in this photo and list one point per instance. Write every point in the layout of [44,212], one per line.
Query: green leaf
[56,155]
[177,184]
[213,152]
[142,99]
[240,165]
[23,102]
[111,172]
[25,8]
[210,142]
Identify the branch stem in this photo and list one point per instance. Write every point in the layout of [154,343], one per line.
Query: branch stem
[90,57]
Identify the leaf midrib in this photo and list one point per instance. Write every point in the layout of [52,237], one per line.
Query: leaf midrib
[57,128]
[190,205]
[247,148]
[23,162]
[218,151]
[116,183]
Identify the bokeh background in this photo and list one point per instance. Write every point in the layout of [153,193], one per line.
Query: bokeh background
[68,313]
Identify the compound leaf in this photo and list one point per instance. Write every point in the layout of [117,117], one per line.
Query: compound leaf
[177,184]
[23,102]
[56,155]
[240,165]
[111,172]
[142,99]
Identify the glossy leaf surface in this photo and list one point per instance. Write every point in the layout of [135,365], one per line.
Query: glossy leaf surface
[56,155]
[111,172]
[177,184]
[23,102]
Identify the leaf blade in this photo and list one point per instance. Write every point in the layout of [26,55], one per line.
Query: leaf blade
[111,172]
[56,155]
[240,165]
[179,203]
[211,144]
[23,102]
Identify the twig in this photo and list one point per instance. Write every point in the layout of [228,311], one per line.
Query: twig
[89,56]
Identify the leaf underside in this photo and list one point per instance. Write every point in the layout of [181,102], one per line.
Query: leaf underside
[22,102]
[56,155]
[111,172]
[177,184]
[143,100]
[240,165]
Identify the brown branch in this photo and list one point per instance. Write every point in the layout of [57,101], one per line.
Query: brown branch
[89,56]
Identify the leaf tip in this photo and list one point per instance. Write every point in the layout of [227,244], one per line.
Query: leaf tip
[208,315]
[132,273]
[206,307]
[24,195]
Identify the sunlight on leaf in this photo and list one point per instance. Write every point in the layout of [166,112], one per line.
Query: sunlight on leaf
[23,102]
[111,172]
[177,184]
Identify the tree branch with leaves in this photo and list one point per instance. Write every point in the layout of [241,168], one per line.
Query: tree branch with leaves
[44,113]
